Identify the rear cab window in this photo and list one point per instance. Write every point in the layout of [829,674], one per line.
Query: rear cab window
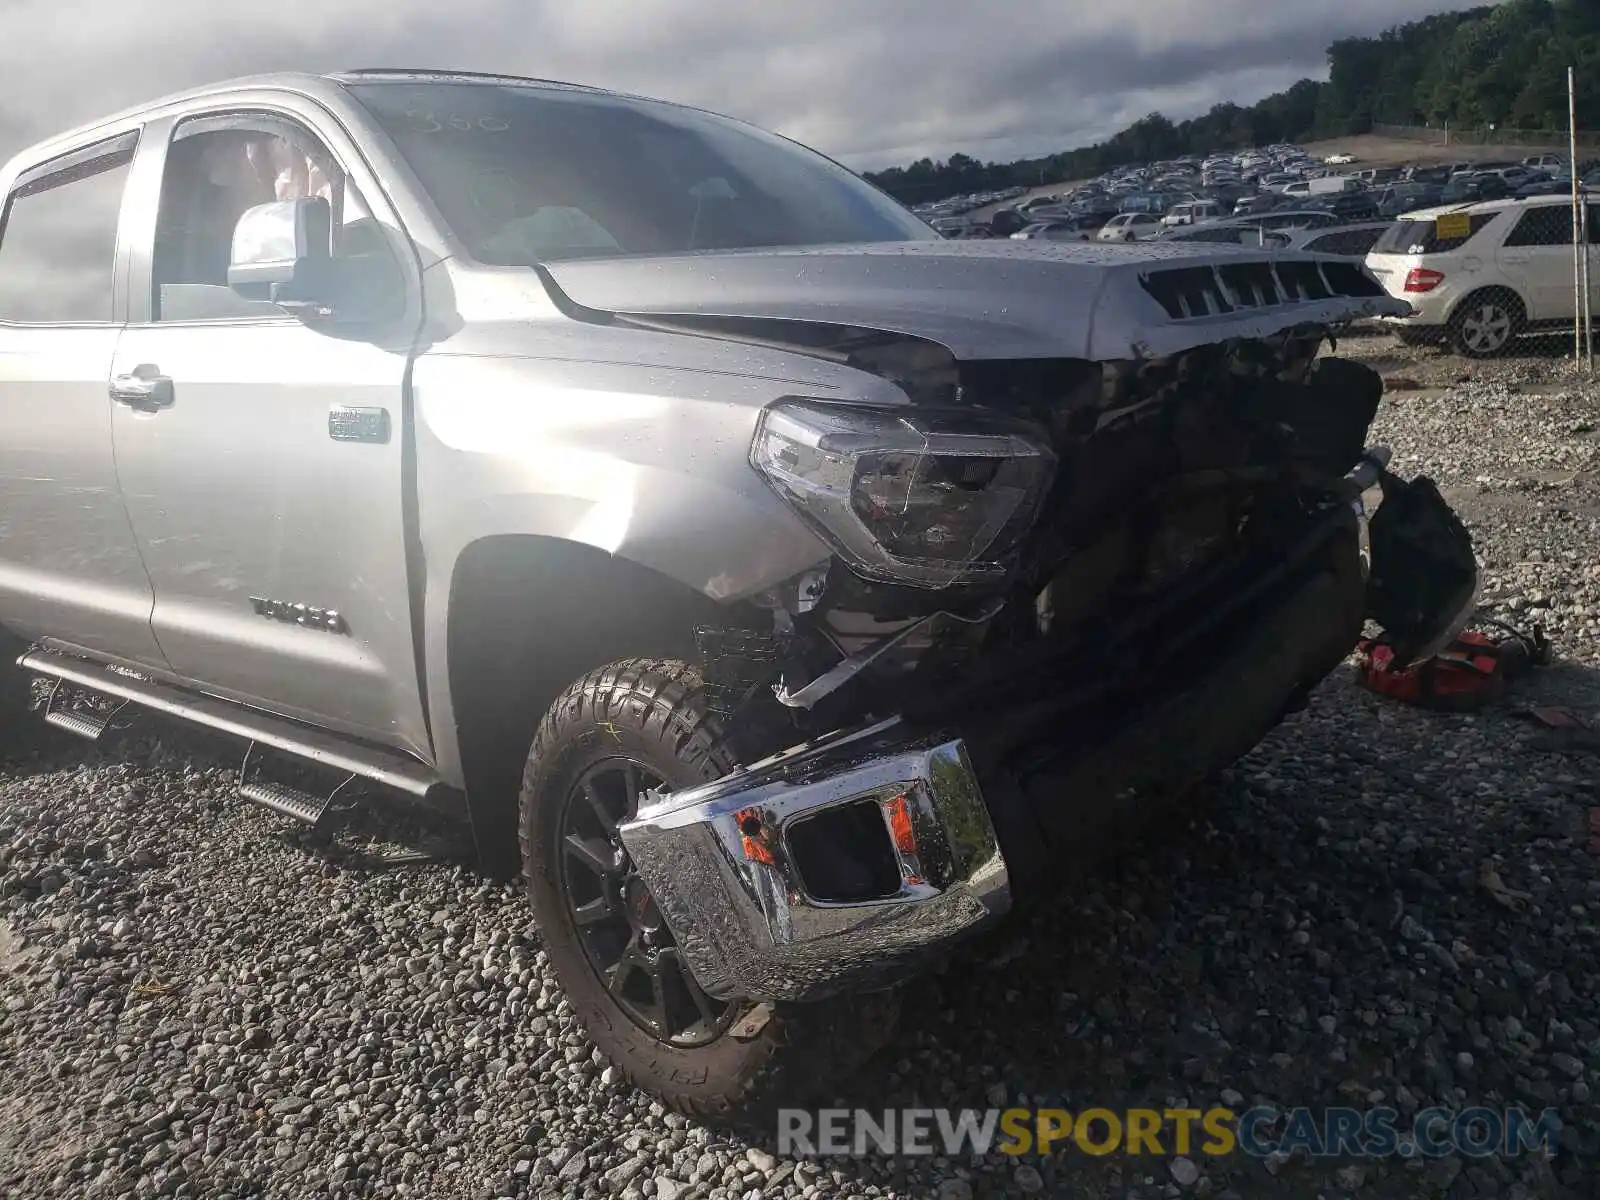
[58,237]
[1421,235]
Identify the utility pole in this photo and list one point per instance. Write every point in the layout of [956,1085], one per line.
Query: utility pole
[1582,323]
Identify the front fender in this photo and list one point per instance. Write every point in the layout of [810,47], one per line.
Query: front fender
[647,464]
[579,451]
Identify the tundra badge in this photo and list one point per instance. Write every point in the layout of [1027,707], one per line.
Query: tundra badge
[347,424]
[326,619]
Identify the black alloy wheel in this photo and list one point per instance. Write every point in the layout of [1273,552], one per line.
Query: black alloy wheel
[623,935]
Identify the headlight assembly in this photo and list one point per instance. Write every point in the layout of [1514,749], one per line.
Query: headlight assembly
[908,497]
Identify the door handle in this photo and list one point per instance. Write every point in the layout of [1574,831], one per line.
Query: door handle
[144,389]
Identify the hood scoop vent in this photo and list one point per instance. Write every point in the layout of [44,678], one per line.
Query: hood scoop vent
[1213,290]
[905,310]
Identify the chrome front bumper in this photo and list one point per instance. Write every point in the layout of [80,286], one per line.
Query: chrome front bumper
[718,860]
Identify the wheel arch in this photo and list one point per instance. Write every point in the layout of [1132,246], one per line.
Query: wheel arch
[527,615]
[1487,289]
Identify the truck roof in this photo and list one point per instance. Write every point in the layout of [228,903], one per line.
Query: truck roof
[302,83]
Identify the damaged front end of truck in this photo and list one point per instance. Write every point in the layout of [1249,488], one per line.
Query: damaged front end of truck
[1063,591]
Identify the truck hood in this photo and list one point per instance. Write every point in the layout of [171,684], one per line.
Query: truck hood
[996,299]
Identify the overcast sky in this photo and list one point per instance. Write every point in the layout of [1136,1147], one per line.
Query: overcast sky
[871,83]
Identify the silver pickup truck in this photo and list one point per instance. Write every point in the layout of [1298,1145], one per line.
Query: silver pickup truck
[791,589]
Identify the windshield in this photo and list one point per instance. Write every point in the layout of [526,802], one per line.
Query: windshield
[524,174]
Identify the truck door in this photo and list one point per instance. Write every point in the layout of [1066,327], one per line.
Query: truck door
[261,456]
[69,566]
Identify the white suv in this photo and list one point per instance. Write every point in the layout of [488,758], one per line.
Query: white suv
[1481,275]
[1130,227]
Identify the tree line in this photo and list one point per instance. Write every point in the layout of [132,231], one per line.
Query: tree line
[1503,65]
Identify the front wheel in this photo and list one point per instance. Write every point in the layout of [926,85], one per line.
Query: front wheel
[617,731]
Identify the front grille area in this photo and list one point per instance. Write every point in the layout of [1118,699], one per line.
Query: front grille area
[1185,293]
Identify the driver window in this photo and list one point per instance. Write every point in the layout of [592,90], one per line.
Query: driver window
[211,178]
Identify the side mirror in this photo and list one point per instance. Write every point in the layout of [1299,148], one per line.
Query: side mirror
[282,252]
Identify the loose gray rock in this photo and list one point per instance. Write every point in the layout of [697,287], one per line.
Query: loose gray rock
[1569,1065]
[760,1159]
[1028,1179]
[1352,1177]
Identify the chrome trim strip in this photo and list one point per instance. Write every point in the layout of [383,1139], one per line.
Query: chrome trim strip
[717,862]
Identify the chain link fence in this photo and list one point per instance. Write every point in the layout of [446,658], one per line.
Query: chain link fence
[1486,136]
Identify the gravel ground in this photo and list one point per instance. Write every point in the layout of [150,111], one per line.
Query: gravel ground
[194,1002]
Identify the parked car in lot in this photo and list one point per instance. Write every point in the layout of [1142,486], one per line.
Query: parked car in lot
[1236,233]
[1347,206]
[1192,212]
[1520,177]
[1404,197]
[677,512]
[1339,160]
[1467,187]
[1294,218]
[1007,221]
[1325,186]
[1437,174]
[1353,241]
[1375,176]
[1147,203]
[1480,276]
[1053,231]
[1130,227]
[1261,202]
[1546,185]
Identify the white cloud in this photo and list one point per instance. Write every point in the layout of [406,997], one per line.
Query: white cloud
[871,84]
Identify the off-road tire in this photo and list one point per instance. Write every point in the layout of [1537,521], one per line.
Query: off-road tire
[653,712]
[1475,323]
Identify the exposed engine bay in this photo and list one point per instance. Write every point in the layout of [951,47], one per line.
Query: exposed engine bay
[1164,469]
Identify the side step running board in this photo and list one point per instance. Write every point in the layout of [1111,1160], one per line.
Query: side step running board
[388,767]
[282,798]
[80,720]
